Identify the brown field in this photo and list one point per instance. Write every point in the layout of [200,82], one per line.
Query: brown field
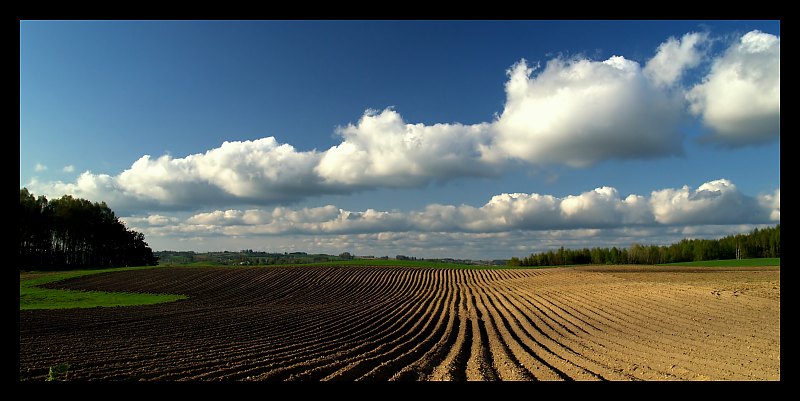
[404,323]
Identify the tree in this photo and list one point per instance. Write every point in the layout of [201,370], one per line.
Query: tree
[760,243]
[68,232]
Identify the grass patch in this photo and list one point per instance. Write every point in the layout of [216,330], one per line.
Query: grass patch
[31,296]
[730,263]
[58,373]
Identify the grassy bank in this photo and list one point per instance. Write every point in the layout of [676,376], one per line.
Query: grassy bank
[31,296]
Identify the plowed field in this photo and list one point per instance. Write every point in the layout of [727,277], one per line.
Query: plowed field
[404,323]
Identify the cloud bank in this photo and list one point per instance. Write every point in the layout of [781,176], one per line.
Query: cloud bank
[501,245]
[576,112]
[717,202]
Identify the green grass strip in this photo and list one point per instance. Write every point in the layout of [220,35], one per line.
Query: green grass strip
[31,296]
[731,263]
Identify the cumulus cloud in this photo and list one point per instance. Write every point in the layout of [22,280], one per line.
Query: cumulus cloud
[674,57]
[717,202]
[261,170]
[501,245]
[68,169]
[579,112]
[772,202]
[575,112]
[740,98]
[39,167]
[380,151]
[383,150]
[322,220]
[218,217]
[94,187]
[153,220]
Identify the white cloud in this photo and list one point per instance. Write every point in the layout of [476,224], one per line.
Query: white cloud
[306,215]
[740,99]
[383,150]
[218,217]
[501,245]
[713,203]
[260,170]
[153,220]
[596,207]
[68,169]
[380,151]
[322,220]
[772,202]
[580,112]
[575,112]
[94,187]
[674,57]
[39,167]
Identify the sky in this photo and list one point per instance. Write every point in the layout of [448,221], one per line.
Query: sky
[463,139]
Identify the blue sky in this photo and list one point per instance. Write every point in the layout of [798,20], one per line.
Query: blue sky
[393,137]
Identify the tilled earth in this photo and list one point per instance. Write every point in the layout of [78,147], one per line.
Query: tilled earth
[404,323]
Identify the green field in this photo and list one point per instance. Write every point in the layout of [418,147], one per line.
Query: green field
[730,263]
[33,297]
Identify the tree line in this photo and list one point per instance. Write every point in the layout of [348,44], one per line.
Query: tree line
[763,243]
[67,233]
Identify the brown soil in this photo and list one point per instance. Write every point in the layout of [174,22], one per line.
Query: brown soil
[399,323]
